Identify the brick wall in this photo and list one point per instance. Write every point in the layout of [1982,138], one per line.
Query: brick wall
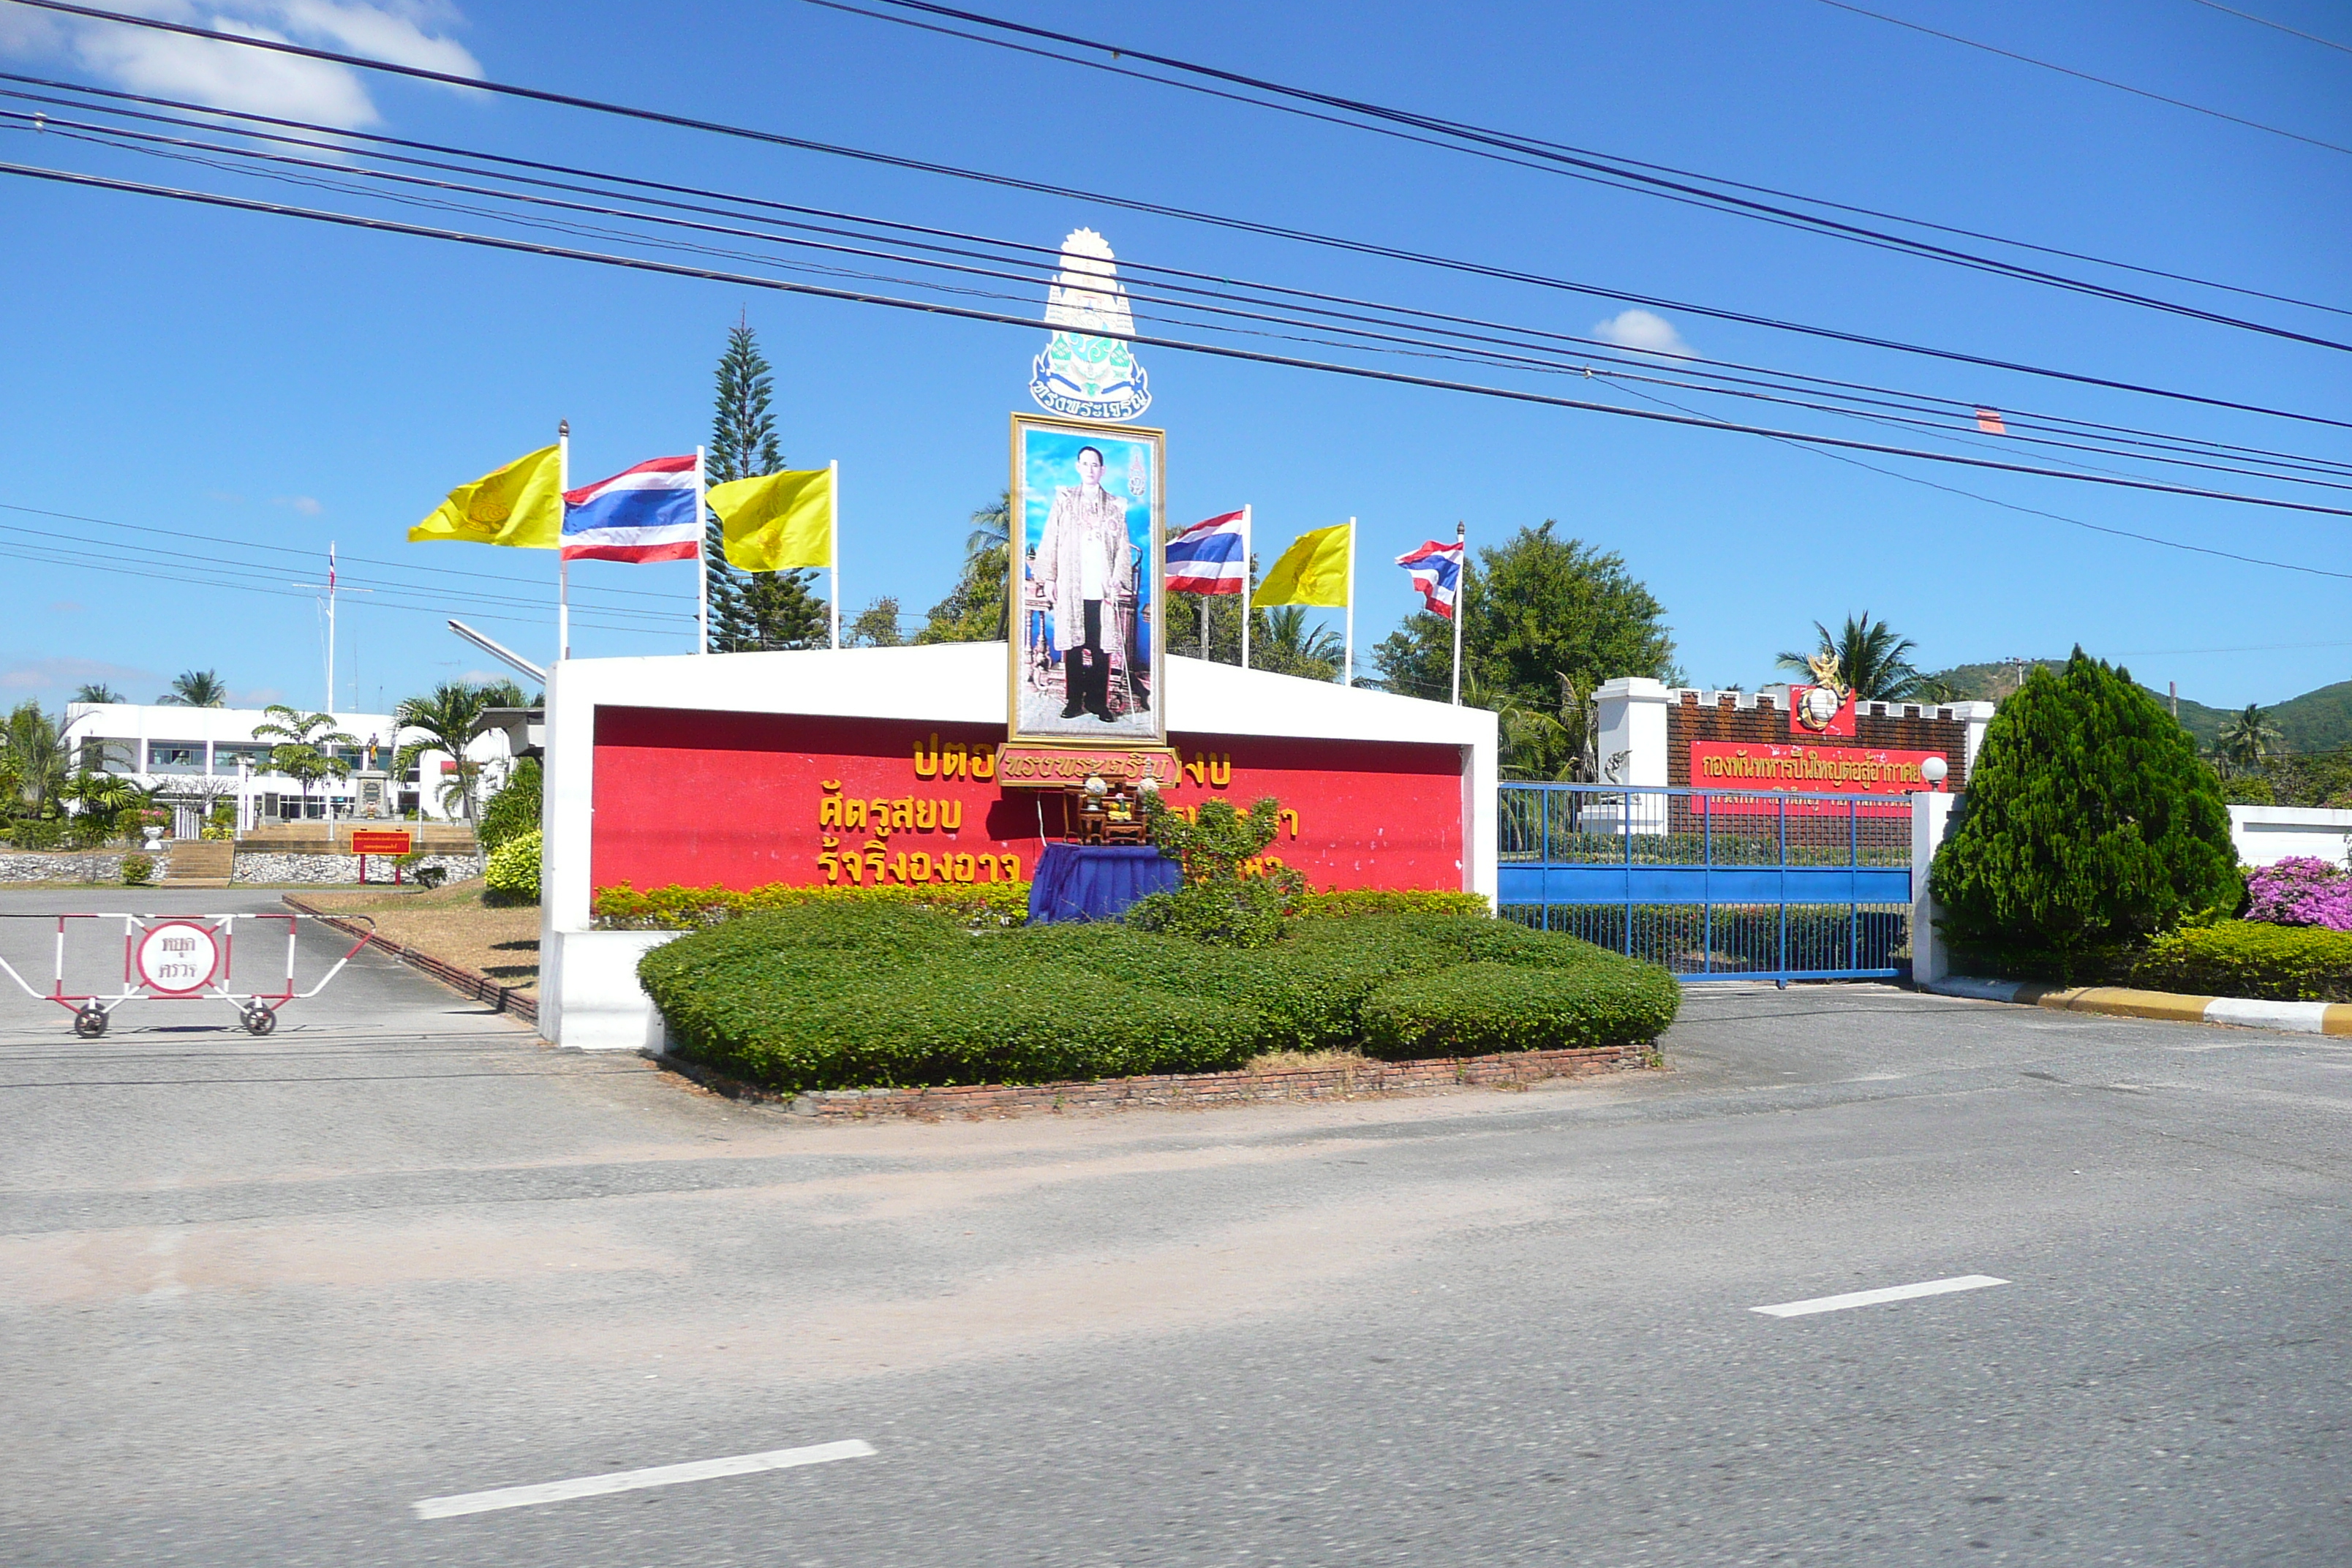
[1762,717]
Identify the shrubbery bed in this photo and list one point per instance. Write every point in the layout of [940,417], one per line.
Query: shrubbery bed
[841,993]
[2251,959]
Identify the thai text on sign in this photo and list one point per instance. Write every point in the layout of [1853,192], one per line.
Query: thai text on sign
[1813,770]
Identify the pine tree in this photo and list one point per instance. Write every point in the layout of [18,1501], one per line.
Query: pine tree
[2089,822]
[752,611]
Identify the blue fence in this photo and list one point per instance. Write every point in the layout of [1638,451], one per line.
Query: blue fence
[1715,884]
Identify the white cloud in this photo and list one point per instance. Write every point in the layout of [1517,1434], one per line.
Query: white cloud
[66,607]
[409,32]
[1644,330]
[307,505]
[259,696]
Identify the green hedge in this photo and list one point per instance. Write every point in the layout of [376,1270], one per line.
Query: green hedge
[842,992]
[2250,958]
[512,873]
[1394,901]
[679,908]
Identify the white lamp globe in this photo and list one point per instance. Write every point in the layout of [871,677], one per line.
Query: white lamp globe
[1934,770]
[1095,786]
[1148,785]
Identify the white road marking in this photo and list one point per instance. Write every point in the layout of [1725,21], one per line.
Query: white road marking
[631,1480]
[1872,1298]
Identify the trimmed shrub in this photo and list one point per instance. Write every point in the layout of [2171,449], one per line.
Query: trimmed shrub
[515,809]
[1393,901]
[1472,1009]
[137,870]
[839,992]
[2248,958]
[677,908]
[1249,912]
[512,875]
[2089,822]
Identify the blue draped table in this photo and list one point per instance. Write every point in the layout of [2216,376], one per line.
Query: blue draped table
[1098,881]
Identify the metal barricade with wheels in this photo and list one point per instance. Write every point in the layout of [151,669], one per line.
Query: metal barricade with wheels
[178,958]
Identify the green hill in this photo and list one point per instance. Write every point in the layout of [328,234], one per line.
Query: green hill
[2317,721]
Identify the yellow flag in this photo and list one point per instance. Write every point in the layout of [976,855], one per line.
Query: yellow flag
[519,505]
[1313,571]
[776,522]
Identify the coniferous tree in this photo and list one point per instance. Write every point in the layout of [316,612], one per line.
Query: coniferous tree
[752,611]
[2089,822]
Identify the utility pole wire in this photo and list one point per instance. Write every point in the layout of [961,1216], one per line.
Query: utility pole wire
[1029,323]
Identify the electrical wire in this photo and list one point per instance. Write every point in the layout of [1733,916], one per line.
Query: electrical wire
[2086,76]
[1579,162]
[1128,204]
[963,312]
[1904,406]
[2281,26]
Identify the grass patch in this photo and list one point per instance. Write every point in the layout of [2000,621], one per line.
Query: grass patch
[453,924]
[1308,1061]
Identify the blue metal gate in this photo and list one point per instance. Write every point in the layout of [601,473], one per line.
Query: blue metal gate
[1715,884]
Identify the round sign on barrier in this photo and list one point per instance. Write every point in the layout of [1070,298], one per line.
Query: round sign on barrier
[178,957]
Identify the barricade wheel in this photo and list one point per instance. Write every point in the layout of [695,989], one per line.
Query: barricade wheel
[259,1019]
[90,1023]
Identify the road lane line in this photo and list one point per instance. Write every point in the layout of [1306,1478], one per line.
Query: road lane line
[631,1480]
[1872,1298]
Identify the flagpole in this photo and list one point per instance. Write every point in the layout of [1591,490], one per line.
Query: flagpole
[701,561]
[1348,660]
[1461,597]
[330,626]
[562,566]
[1249,585]
[833,503]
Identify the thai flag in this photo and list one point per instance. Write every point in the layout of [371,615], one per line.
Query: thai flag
[1211,556]
[644,513]
[1438,572]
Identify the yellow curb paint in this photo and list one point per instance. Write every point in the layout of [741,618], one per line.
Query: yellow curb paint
[2123,1001]
[2337,1020]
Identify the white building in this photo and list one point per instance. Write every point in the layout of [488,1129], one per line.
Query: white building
[199,756]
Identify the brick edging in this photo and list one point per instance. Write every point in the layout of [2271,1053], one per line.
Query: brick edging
[974,1101]
[467,982]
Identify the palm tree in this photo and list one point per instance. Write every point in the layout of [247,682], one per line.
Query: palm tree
[444,718]
[2245,740]
[196,688]
[104,799]
[97,692]
[988,551]
[302,752]
[1282,642]
[1870,659]
[35,756]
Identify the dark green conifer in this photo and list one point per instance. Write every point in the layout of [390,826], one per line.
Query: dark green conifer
[751,611]
[2089,823]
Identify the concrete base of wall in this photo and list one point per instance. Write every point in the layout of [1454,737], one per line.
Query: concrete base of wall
[589,996]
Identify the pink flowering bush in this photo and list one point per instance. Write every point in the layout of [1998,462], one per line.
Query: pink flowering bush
[2301,891]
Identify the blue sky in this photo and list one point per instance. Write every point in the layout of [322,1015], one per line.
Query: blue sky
[259,381]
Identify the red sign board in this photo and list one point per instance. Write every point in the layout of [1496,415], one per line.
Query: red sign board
[1770,769]
[381,841]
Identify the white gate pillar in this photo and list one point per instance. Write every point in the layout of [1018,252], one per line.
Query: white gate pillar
[1931,819]
[1631,713]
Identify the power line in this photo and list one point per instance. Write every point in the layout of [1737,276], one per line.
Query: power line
[1904,406]
[963,312]
[2086,76]
[1604,168]
[1133,205]
[2281,26]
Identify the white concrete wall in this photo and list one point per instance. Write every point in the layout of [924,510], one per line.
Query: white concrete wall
[945,683]
[1931,819]
[2266,834]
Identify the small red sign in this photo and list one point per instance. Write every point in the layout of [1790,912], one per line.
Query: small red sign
[381,841]
[1821,711]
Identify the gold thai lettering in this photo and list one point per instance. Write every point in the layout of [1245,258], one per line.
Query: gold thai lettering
[829,860]
[902,812]
[879,824]
[927,763]
[983,765]
[1289,818]
[828,810]
[952,814]
[954,760]
[853,813]
[1221,769]
[927,815]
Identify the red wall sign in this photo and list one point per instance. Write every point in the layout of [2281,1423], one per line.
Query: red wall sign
[1810,769]
[740,800]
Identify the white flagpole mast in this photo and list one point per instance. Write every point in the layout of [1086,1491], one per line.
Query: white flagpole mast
[1461,597]
[833,503]
[701,561]
[1249,570]
[330,626]
[562,566]
[1348,660]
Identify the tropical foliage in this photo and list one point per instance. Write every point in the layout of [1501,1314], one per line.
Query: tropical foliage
[1285,642]
[516,809]
[751,611]
[877,625]
[98,691]
[1870,660]
[34,760]
[445,719]
[2246,740]
[975,610]
[195,689]
[301,752]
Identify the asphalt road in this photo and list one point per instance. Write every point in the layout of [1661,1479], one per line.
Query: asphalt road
[262,1299]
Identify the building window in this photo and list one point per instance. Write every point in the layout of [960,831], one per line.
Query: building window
[175,756]
[102,755]
[226,756]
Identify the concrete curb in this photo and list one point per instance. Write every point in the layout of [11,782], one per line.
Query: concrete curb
[469,984]
[2300,1017]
